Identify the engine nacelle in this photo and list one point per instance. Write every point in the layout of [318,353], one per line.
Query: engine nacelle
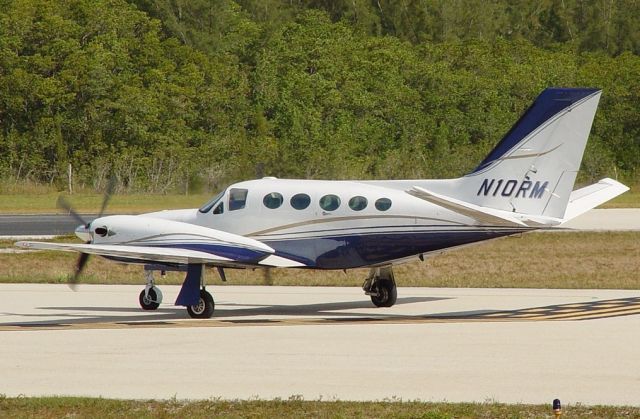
[137,230]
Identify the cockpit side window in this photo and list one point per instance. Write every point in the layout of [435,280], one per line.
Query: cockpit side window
[211,203]
[219,209]
[237,199]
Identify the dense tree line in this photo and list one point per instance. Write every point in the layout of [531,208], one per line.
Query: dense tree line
[177,94]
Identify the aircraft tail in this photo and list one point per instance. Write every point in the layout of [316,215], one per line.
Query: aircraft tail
[528,177]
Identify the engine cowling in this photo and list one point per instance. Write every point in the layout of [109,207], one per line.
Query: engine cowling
[136,230]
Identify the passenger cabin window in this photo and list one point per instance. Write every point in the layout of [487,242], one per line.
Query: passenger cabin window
[237,199]
[329,202]
[272,200]
[383,204]
[211,203]
[358,203]
[300,201]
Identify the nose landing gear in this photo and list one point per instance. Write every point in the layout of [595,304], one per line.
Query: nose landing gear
[150,297]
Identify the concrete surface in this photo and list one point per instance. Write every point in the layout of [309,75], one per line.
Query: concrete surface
[508,345]
[619,219]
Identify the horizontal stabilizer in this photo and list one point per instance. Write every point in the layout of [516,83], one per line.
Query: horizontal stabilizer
[483,215]
[589,197]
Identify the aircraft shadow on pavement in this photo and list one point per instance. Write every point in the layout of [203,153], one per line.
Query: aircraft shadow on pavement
[333,309]
[323,313]
[88,315]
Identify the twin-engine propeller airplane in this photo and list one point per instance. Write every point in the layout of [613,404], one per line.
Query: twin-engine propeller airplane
[524,184]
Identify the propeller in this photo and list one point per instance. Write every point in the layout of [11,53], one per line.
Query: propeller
[62,203]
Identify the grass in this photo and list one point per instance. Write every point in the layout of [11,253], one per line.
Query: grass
[56,407]
[606,260]
[629,199]
[45,203]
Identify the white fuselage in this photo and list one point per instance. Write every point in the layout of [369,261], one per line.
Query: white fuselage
[345,223]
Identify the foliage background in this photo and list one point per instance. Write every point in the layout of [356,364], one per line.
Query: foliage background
[187,95]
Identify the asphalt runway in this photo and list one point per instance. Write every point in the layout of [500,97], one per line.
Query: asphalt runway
[14,225]
[507,345]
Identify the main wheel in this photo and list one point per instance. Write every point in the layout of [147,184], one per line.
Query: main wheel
[152,300]
[204,308]
[386,293]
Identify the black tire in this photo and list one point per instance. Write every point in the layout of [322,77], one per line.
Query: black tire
[149,302]
[204,308]
[387,293]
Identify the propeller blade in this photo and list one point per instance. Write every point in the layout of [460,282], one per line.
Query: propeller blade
[62,203]
[80,265]
[111,186]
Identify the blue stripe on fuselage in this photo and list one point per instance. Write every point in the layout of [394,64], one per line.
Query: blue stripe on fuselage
[354,251]
[348,251]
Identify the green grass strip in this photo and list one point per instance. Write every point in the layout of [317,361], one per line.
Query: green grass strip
[57,407]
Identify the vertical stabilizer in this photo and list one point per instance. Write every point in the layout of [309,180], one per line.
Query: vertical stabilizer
[533,168]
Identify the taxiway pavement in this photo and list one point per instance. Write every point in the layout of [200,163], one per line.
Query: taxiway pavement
[507,345]
[611,219]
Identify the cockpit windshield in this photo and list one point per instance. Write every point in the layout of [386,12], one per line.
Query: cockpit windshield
[211,203]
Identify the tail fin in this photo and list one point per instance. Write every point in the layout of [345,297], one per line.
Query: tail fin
[533,168]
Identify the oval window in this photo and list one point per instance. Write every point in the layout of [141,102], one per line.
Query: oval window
[383,204]
[272,200]
[329,202]
[358,203]
[300,201]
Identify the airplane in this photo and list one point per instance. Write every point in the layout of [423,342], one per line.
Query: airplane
[525,183]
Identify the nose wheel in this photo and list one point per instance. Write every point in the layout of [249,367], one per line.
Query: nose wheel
[204,308]
[150,297]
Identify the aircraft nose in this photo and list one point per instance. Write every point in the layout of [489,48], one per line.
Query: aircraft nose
[83,232]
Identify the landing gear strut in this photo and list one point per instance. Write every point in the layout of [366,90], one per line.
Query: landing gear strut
[150,297]
[192,295]
[381,287]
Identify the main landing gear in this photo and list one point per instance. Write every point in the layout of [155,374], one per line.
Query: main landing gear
[193,295]
[204,308]
[381,287]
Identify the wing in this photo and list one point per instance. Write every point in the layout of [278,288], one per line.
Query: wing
[173,255]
